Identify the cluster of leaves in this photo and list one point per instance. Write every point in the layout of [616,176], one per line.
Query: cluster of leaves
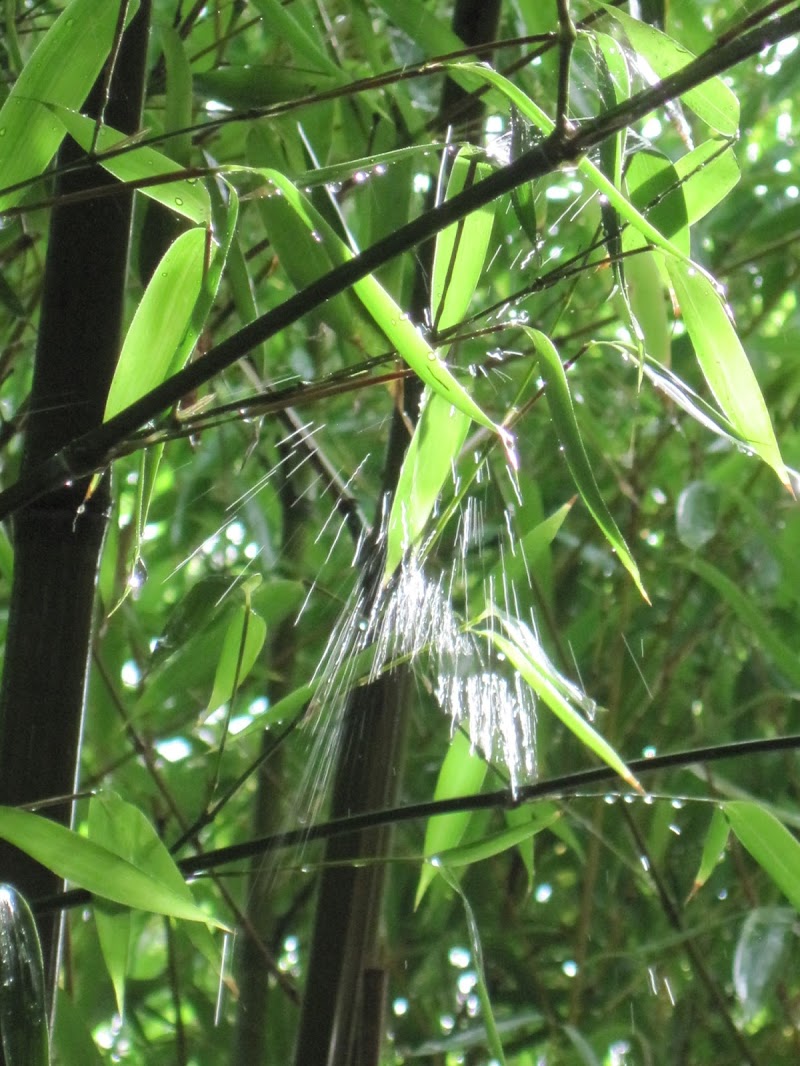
[608,330]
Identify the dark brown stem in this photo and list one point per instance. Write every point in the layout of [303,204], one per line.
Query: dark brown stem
[58,539]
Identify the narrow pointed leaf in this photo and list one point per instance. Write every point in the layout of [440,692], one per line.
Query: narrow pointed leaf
[566,427]
[460,250]
[243,641]
[187,197]
[492,1034]
[90,866]
[725,365]
[162,320]
[62,70]
[396,326]
[713,849]
[497,843]
[430,459]
[462,773]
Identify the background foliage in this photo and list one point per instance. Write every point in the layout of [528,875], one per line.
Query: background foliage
[590,924]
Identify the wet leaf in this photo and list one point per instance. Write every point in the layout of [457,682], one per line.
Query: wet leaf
[429,461]
[95,868]
[186,197]
[763,954]
[460,249]
[724,363]
[61,71]
[713,101]
[462,773]
[566,426]
[161,322]
[526,655]
[497,843]
[241,646]
[770,843]
[714,845]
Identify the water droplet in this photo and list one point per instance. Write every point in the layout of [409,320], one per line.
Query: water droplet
[178,201]
[3,132]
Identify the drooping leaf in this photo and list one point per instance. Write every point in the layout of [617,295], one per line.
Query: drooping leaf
[241,646]
[526,656]
[724,363]
[403,334]
[161,322]
[123,829]
[492,1034]
[497,843]
[568,432]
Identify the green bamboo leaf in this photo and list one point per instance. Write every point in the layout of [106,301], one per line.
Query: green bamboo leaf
[462,773]
[526,656]
[283,25]
[123,829]
[241,646]
[178,102]
[498,842]
[724,363]
[708,173]
[254,85]
[430,31]
[395,325]
[61,71]
[566,427]
[161,322]
[770,843]
[605,186]
[93,867]
[713,101]
[114,924]
[187,197]
[460,249]
[655,189]
[430,459]
[487,1013]
[713,849]
[174,308]
[783,655]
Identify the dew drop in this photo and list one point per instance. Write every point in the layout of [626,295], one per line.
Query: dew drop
[178,201]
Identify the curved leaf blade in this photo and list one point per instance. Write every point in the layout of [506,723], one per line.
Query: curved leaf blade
[95,868]
[724,363]
[62,70]
[566,426]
